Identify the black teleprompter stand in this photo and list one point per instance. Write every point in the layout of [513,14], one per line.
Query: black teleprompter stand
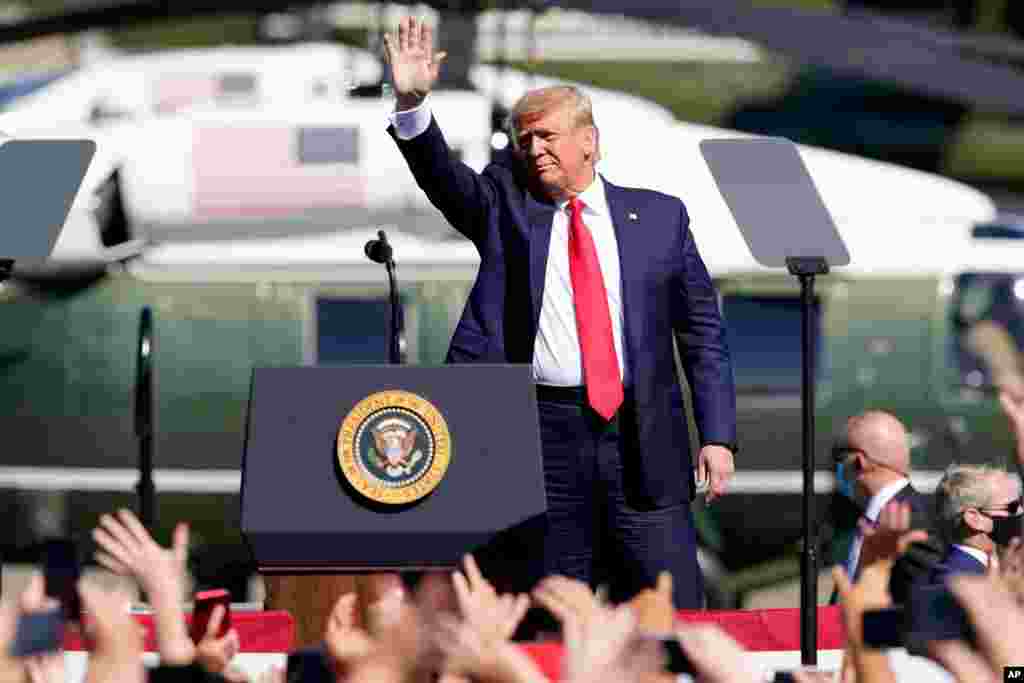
[785,224]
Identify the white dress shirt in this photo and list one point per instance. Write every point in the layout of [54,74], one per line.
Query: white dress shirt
[557,359]
[874,508]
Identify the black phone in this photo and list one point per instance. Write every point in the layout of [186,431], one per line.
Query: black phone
[884,628]
[935,614]
[61,572]
[676,660]
[38,633]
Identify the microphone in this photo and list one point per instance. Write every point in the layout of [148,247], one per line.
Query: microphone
[378,250]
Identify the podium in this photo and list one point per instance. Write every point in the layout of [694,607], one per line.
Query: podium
[355,470]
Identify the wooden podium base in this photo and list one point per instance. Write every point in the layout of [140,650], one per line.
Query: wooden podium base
[311,597]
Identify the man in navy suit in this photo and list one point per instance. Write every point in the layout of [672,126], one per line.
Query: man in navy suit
[872,457]
[588,282]
[981,513]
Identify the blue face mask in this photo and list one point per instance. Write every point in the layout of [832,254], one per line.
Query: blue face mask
[844,484]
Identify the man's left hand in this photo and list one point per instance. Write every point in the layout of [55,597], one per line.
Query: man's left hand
[715,464]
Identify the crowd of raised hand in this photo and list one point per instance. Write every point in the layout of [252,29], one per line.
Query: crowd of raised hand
[457,628]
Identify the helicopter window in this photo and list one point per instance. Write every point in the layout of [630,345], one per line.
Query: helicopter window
[351,330]
[232,85]
[329,145]
[764,341]
[987,318]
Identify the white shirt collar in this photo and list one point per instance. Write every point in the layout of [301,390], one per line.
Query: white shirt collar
[979,555]
[879,500]
[593,198]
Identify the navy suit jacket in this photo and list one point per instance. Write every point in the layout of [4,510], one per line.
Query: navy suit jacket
[956,561]
[666,290]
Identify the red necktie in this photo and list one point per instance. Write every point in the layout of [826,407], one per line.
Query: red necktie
[593,322]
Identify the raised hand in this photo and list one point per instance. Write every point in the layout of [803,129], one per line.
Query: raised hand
[129,550]
[346,642]
[653,606]
[891,537]
[478,644]
[716,656]
[1011,401]
[216,653]
[494,617]
[567,598]
[998,622]
[966,665]
[116,636]
[414,65]
[126,548]
[870,592]
[469,656]
[599,648]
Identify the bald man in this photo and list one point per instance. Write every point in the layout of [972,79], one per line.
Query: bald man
[872,455]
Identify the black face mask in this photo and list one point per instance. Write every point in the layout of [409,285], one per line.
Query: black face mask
[1004,529]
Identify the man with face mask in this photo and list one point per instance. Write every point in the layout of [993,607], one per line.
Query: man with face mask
[981,513]
[872,458]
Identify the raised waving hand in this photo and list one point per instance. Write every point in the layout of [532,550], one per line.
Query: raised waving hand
[414,64]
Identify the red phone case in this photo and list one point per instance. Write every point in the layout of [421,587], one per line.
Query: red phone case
[204,602]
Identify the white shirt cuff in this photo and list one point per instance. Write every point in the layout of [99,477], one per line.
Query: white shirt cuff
[411,122]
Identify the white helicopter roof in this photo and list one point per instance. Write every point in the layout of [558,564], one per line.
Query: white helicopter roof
[895,221]
[138,85]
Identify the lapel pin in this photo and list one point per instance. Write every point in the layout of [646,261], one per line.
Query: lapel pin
[632,216]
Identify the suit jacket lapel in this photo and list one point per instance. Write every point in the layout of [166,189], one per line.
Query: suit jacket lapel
[625,221]
[540,216]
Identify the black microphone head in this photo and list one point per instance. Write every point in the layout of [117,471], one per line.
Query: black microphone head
[378,251]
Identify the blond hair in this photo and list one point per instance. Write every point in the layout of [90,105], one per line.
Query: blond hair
[542,100]
[963,487]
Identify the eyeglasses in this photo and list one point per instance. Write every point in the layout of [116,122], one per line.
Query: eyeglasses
[1014,508]
[842,451]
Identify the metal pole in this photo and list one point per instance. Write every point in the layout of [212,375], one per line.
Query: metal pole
[144,419]
[394,350]
[809,559]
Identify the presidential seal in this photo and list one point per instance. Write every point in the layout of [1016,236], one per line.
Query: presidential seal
[394,447]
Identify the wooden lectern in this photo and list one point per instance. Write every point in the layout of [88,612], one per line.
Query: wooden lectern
[354,473]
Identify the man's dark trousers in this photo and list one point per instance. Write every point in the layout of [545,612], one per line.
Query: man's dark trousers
[596,530]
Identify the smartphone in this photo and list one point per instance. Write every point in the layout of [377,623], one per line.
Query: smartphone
[38,633]
[203,603]
[61,572]
[676,661]
[884,628]
[935,614]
